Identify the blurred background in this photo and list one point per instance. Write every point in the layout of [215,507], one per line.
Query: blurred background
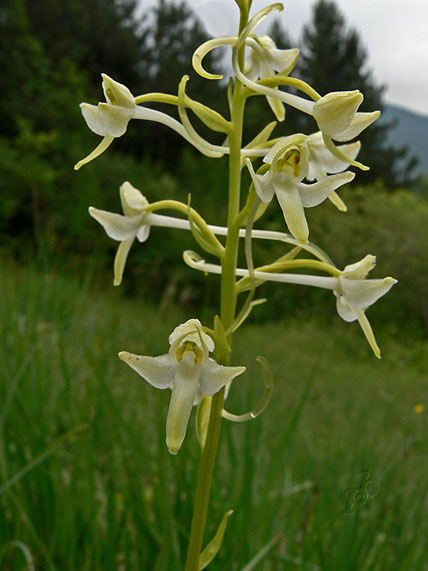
[75,428]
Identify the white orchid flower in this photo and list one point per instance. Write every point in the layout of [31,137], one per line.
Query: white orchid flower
[125,228]
[135,222]
[110,120]
[354,292]
[289,164]
[337,117]
[188,371]
[264,60]
[322,162]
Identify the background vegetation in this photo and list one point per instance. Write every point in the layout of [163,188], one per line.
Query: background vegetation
[85,478]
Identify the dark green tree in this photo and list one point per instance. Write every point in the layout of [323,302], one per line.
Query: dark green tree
[171,33]
[334,59]
[98,36]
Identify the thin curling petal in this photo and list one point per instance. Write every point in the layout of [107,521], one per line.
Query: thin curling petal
[368,332]
[157,371]
[120,260]
[184,391]
[214,377]
[204,50]
[103,146]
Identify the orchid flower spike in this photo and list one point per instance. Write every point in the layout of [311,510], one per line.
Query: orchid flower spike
[355,294]
[289,164]
[188,371]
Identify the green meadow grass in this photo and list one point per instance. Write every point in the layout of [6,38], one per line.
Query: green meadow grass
[86,479]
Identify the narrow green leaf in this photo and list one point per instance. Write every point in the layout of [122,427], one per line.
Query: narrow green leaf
[263,551]
[42,456]
[214,545]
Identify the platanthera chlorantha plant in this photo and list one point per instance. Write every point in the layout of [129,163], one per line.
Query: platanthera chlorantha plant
[298,171]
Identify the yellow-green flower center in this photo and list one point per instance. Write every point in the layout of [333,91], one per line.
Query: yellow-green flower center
[289,160]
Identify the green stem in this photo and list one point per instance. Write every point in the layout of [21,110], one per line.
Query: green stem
[227,315]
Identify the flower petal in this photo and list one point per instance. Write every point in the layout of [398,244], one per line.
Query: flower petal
[344,309]
[314,194]
[335,111]
[117,226]
[322,161]
[133,201]
[114,118]
[143,232]
[215,376]
[262,183]
[360,122]
[157,371]
[290,201]
[116,93]
[368,331]
[120,260]
[105,143]
[184,392]
[192,326]
[93,118]
[360,269]
[284,61]
[363,293]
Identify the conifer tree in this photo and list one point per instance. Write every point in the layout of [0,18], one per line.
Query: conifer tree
[333,58]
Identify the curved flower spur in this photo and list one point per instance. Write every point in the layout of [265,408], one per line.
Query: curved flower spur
[188,371]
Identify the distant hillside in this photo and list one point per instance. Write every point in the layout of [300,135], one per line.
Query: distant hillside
[411,129]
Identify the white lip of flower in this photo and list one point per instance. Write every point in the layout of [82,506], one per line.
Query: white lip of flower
[110,120]
[354,292]
[186,369]
[289,160]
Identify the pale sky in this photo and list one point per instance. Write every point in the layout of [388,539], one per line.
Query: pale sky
[394,32]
